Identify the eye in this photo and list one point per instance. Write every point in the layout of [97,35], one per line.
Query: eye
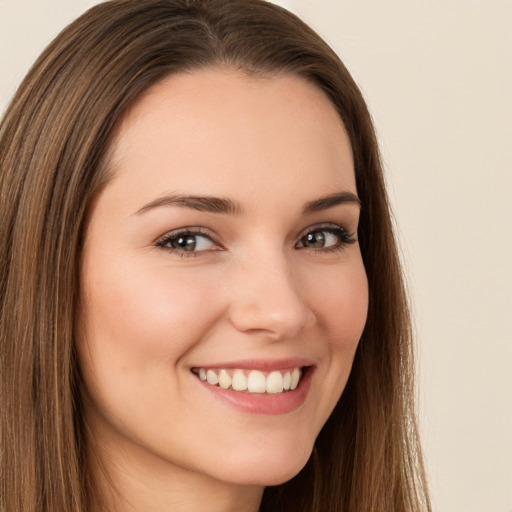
[326,238]
[187,241]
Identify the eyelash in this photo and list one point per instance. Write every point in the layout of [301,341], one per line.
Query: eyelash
[167,239]
[344,236]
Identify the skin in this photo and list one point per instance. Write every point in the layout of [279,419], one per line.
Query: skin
[252,290]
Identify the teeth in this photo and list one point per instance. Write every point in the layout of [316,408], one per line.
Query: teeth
[239,381]
[275,383]
[253,381]
[295,378]
[287,380]
[256,382]
[212,377]
[224,379]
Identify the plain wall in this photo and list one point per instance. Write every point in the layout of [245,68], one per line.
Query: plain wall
[438,79]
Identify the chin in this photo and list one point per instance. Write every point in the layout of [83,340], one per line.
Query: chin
[266,467]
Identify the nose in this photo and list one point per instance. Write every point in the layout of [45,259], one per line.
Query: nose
[268,300]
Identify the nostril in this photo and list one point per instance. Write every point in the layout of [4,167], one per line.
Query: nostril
[276,321]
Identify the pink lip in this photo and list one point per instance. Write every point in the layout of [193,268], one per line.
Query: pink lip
[261,364]
[256,403]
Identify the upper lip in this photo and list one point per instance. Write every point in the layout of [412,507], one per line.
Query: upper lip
[261,364]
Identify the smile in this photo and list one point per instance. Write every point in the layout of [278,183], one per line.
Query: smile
[251,381]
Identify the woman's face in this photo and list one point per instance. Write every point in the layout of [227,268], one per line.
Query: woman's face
[225,246]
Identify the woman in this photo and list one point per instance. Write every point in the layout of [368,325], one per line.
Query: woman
[202,302]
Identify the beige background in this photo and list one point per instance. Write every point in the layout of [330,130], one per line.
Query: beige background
[438,78]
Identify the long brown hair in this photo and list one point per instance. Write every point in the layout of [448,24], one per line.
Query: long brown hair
[53,144]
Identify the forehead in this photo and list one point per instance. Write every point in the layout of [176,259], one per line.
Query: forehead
[211,129]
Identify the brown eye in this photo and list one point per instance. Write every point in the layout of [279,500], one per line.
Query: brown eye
[316,239]
[329,237]
[184,243]
[187,242]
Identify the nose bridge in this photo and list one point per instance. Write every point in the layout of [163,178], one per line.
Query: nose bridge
[269,299]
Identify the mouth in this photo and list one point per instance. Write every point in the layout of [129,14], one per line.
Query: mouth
[258,386]
[252,381]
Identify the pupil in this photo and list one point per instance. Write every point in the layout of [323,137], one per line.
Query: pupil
[316,239]
[186,243]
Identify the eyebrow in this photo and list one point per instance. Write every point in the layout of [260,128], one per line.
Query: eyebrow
[200,203]
[227,206]
[326,202]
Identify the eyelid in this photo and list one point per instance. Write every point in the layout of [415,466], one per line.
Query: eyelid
[349,235]
[326,226]
[189,230]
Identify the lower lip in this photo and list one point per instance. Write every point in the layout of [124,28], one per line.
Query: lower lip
[263,403]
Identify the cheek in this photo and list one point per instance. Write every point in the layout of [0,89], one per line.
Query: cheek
[342,305]
[143,314]
[341,313]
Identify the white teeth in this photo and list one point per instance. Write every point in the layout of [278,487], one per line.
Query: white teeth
[253,381]
[256,382]
[287,380]
[295,378]
[224,379]
[212,377]
[275,383]
[239,381]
